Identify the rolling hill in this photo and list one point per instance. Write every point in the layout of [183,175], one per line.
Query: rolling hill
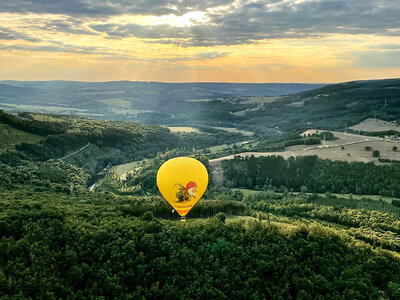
[126,99]
[331,107]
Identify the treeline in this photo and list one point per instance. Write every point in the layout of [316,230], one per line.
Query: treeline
[26,122]
[375,133]
[160,208]
[58,248]
[315,174]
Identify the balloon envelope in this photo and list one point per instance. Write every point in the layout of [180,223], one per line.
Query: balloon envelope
[182,181]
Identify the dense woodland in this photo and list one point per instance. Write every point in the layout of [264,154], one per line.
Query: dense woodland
[314,174]
[82,246]
[123,241]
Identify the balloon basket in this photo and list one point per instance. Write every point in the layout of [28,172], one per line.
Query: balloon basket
[182,219]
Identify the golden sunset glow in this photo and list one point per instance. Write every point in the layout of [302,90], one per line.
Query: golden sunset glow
[227,42]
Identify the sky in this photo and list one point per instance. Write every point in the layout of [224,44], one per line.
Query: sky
[314,41]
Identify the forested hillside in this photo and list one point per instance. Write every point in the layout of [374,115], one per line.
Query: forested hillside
[123,241]
[91,246]
[331,107]
[105,142]
[313,174]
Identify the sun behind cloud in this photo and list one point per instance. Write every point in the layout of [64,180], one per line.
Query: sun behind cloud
[237,41]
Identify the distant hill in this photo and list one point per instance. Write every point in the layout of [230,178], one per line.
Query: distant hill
[126,99]
[334,106]
[264,108]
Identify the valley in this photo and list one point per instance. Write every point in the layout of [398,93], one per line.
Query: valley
[303,196]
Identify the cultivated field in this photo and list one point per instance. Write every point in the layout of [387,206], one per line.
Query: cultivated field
[183,129]
[353,149]
[372,124]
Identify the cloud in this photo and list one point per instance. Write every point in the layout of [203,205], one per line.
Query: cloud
[108,8]
[9,34]
[248,22]
[211,55]
[386,46]
[66,25]
[228,22]
[58,47]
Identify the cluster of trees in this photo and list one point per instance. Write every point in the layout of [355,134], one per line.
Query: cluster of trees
[16,171]
[317,175]
[374,133]
[54,247]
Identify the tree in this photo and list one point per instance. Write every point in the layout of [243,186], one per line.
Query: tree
[376,153]
[395,148]
[304,189]
[368,148]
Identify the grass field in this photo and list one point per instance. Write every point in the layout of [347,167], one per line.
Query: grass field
[126,168]
[372,125]
[353,149]
[183,129]
[9,137]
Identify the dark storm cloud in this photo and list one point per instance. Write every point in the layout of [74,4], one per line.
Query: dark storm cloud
[239,22]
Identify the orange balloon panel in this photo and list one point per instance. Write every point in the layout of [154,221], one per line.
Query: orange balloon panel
[182,181]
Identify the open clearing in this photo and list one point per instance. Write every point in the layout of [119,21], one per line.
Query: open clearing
[353,149]
[123,169]
[373,125]
[182,129]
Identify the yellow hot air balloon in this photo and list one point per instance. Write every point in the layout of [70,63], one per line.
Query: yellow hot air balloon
[182,181]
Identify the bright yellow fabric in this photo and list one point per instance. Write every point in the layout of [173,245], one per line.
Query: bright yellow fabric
[173,178]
